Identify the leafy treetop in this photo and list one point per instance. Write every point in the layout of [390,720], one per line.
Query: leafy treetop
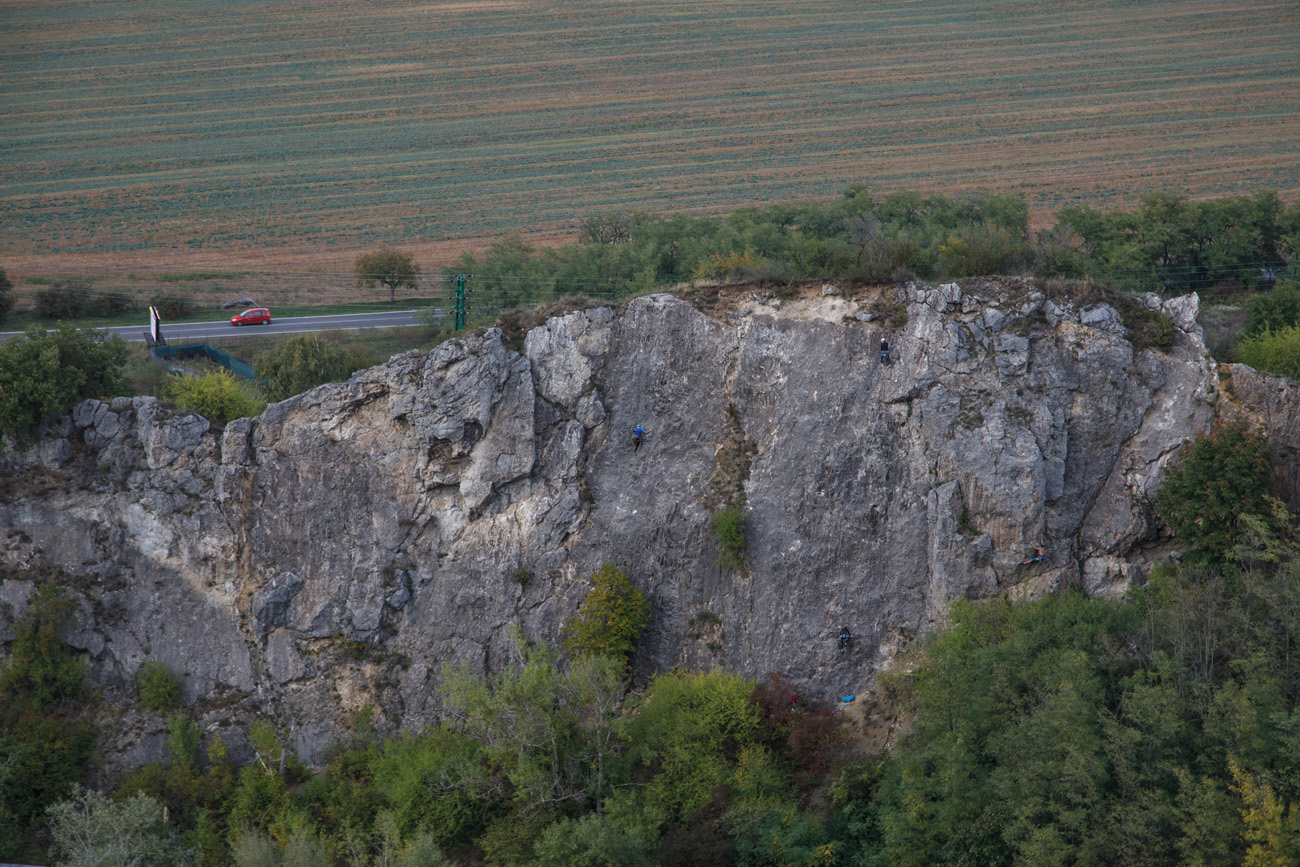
[611,618]
[1218,479]
[387,267]
[42,373]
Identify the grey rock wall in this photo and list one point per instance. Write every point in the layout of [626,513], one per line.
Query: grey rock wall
[339,549]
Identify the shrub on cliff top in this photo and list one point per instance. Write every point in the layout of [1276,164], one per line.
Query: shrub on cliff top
[217,396]
[1273,351]
[304,362]
[42,373]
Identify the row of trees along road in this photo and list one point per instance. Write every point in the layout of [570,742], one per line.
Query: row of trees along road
[1169,243]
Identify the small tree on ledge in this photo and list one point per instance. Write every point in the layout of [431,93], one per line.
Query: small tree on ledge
[387,267]
[611,618]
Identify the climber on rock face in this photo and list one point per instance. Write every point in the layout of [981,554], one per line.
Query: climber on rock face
[638,434]
[1037,555]
[846,637]
[884,351]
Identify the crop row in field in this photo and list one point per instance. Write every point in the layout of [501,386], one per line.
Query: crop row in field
[239,125]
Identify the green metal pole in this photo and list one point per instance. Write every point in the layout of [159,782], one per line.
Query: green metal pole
[459,324]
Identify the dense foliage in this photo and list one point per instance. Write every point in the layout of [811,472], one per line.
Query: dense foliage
[42,373]
[612,617]
[6,295]
[75,298]
[217,396]
[1219,483]
[92,831]
[303,362]
[44,740]
[1170,243]
[1272,351]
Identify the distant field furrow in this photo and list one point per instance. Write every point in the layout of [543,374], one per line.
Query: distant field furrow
[144,123]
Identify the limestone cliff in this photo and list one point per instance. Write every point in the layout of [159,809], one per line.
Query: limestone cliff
[337,550]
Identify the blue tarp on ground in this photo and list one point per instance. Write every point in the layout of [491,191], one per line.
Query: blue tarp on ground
[197,350]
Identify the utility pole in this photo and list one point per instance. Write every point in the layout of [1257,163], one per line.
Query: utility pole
[459,323]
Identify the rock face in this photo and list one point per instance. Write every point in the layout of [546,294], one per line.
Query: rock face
[338,550]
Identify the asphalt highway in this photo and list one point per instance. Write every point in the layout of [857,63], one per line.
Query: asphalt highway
[188,332]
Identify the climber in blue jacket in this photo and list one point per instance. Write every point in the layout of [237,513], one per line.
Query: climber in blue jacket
[638,434]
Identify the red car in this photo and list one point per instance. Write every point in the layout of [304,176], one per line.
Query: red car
[252,316]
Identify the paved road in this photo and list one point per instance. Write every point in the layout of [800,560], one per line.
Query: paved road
[186,332]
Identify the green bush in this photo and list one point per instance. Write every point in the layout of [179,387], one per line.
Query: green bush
[612,616]
[160,690]
[729,530]
[64,299]
[92,830]
[1218,479]
[42,373]
[217,396]
[302,363]
[76,299]
[1272,351]
[1146,327]
[440,760]
[983,251]
[690,734]
[1274,311]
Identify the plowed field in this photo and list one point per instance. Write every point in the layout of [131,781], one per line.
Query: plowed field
[194,130]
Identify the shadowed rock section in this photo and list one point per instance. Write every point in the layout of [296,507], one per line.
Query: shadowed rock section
[336,551]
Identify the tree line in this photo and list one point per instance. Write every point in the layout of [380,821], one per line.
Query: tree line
[1169,243]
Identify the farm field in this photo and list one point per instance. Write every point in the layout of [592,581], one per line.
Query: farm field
[149,134]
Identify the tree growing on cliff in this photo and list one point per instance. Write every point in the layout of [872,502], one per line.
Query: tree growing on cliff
[42,373]
[92,831]
[550,731]
[389,268]
[44,746]
[1218,479]
[610,620]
